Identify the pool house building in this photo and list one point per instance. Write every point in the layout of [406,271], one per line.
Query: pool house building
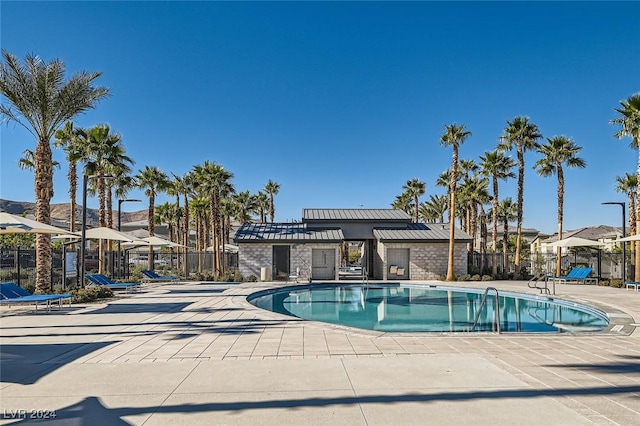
[387,246]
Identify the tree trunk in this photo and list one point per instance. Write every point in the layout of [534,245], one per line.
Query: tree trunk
[494,229]
[44,192]
[451,276]
[520,209]
[560,217]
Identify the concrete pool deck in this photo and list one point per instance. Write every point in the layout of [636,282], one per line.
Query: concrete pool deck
[199,354]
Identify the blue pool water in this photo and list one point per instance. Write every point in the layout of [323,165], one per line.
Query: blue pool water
[421,308]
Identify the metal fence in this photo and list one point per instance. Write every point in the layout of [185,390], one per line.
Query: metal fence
[605,265]
[19,265]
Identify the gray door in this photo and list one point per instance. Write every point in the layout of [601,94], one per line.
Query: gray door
[281,261]
[398,264]
[323,264]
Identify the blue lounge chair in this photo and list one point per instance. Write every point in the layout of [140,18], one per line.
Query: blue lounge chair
[151,275]
[630,284]
[577,275]
[11,294]
[103,280]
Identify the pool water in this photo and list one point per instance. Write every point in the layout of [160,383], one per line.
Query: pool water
[420,308]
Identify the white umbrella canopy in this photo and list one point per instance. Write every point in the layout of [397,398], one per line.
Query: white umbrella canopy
[629,238]
[14,224]
[104,233]
[575,242]
[160,242]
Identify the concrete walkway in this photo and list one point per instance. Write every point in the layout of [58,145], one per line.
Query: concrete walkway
[199,354]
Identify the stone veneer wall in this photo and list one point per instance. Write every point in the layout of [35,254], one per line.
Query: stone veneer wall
[254,256]
[428,261]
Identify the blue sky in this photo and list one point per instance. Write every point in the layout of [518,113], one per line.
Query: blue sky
[342,103]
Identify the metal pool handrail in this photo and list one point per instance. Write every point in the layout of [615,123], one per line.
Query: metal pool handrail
[483,302]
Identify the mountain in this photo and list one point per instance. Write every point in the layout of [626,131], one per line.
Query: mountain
[60,212]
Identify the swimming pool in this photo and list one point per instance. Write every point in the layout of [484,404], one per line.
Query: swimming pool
[424,308]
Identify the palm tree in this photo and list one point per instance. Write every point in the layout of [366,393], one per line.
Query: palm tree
[245,205]
[628,184]
[262,205]
[272,188]
[67,139]
[214,182]
[496,165]
[415,188]
[524,136]
[152,180]
[28,161]
[629,122]
[105,155]
[558,151]
[39,99]
[476,191]
[507,211]
[402,202]
[199,206]
[453,136]
[433,211]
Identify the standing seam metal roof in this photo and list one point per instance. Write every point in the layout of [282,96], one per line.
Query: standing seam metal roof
[286,232]
[420,232]
[355,214]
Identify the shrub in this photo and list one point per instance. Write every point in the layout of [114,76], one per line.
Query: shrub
[90,294]
[616,283]
[487,278]
[464,277]
[475,277]
[252,279]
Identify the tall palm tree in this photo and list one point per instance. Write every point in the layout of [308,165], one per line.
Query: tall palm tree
[453,136]
[39,99]
[415,188]
[559,150]
[272,188]
[524,136]
[152,180]
[28,161]
[507,212]
[245,205]
[67,139]
[629,122]
[628,184]
[402,202]
[262,205]
[214,182]
[476,191]
[105,155]
[496,166]
[200,207]
[433,211]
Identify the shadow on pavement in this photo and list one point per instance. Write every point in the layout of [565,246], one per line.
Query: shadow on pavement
[26,364]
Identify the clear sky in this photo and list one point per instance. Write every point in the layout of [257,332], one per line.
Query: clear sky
[342,103]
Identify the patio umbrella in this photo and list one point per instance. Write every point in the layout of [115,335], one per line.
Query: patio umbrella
[629,238]
[160,242]
[104,233]
[575,242]
[14,224]
[153,242]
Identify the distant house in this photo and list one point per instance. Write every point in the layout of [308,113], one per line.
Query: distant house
[392,248]
[603,233]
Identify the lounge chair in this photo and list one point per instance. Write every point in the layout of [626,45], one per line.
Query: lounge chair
[150,275]
[632,284]
[11,294]
[577,275]
[103,280]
